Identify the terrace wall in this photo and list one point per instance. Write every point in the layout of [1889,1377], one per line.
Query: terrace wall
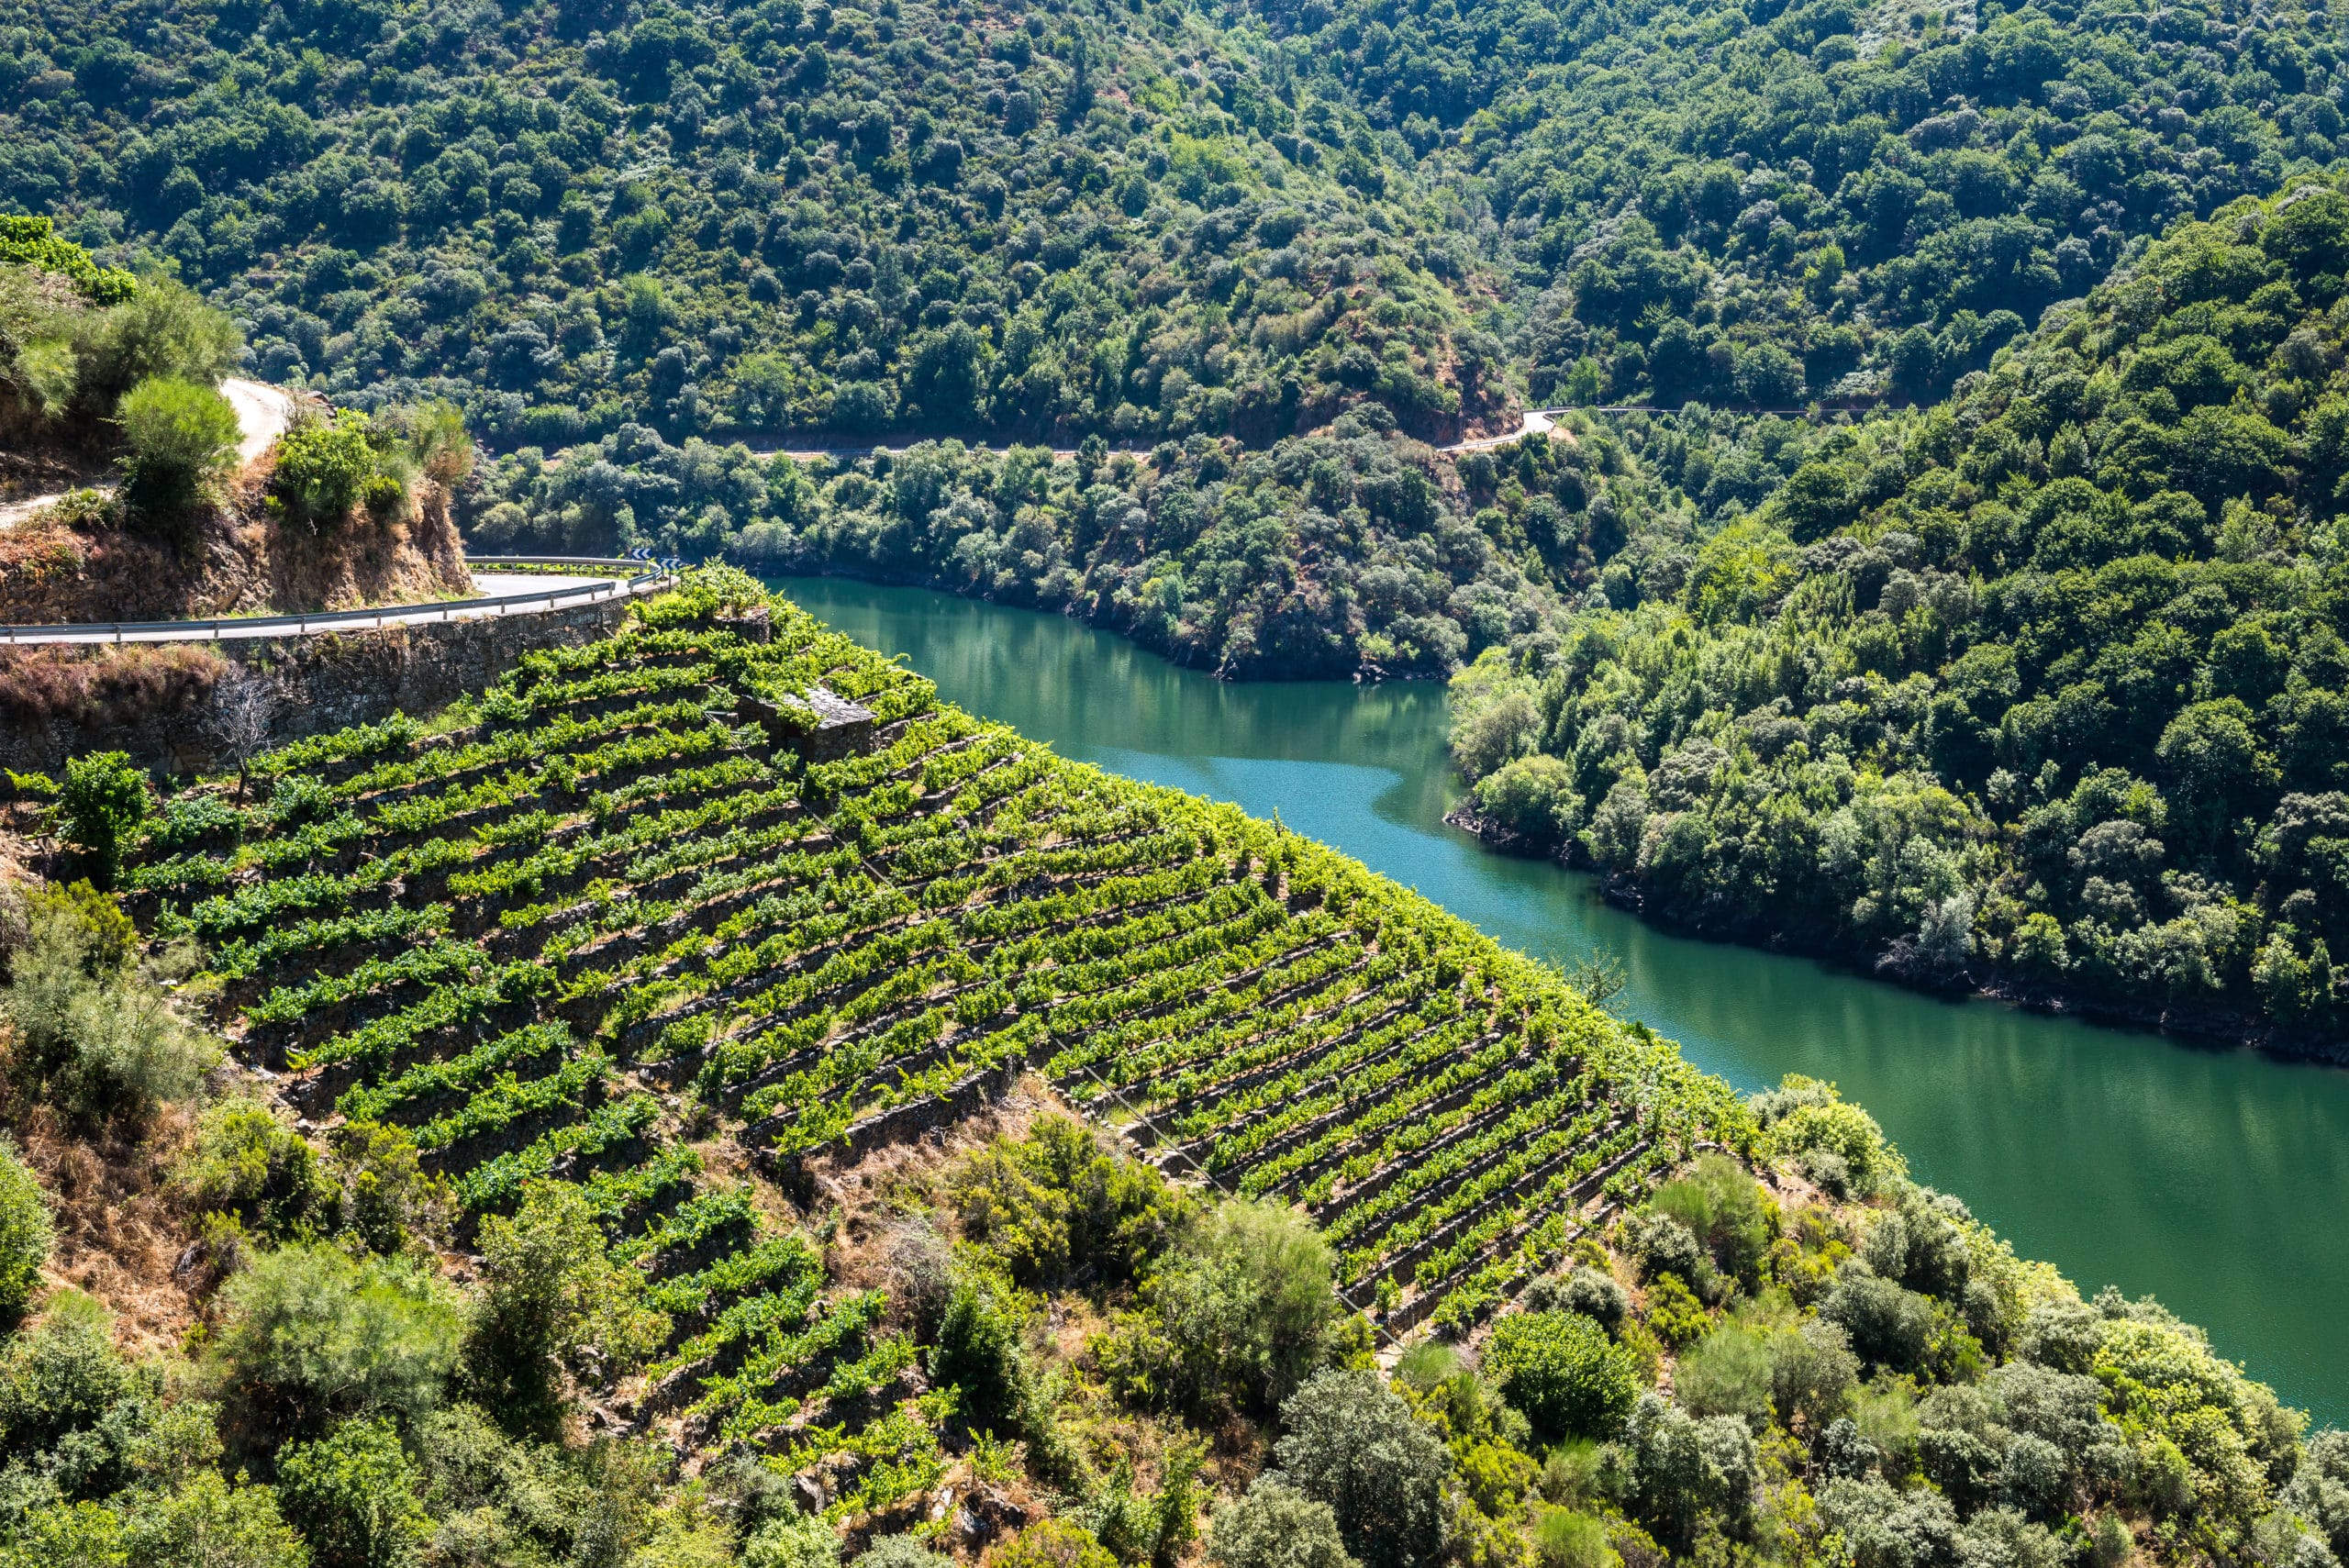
[314,685]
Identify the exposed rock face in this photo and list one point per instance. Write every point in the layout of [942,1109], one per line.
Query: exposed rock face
[69,564]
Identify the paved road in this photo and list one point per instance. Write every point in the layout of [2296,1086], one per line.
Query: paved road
[263,414]
[502,593]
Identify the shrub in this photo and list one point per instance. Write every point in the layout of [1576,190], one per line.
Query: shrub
[246,1158]
[898,1551]
[792,1542]
[1050,1543]
[1564,1538]
[552,1296]
[101,807]
[69,1402]
[164,329]
[96,1032]
[1353,1443]
[26,1233]
[1241,1319]
[1276,1526]
[1563,1373]
[1727,1372]
[328,467]
[179,432]
[1723,1208]
[309,1335]
[352,1495]
[210,1520]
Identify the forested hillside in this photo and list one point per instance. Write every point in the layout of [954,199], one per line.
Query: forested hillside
[695,1168]
[938,218]
[2046,686]
[1754,205]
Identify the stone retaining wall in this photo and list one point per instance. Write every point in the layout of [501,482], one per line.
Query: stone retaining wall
[310,685]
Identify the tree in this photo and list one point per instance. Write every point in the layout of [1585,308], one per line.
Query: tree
[1276,1526]
[179,433]
[244,709]
[1242,1315]
[553,1298]
[1351,1443]
[27,1233]
[210,1520]
[102,804]
[1561,1370]
[353,1493]
[308,1336]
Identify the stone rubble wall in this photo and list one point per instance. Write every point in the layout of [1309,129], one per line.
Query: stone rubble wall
[324,681]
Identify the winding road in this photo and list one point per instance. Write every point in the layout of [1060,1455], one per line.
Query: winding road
[263,414]
[1535,422]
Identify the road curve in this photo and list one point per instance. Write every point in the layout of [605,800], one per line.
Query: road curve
[263,414]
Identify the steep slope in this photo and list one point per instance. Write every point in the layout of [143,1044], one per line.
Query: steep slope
[1757,205]
[2044,687]
[943,218]
[640,911]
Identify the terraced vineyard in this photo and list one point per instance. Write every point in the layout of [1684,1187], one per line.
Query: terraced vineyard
[612,910]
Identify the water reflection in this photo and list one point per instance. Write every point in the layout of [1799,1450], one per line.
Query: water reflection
[2211,1179]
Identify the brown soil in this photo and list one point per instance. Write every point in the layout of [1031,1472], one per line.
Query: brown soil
[243,561]
[121,1233]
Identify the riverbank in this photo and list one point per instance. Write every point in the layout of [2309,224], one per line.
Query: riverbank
[2225,1028]
[2141,1161]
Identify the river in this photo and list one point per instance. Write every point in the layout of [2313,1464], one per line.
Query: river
[2216,1180]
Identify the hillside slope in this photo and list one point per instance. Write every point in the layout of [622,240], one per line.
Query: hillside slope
[2046,686]
[944,217]
[612,940]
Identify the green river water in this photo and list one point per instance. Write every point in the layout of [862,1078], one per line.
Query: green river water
[2215,1180]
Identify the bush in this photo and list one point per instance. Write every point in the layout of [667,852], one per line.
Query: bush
[27,1233]
[179,432]
[1723,1208]
[101,808]
[1564,1538]
[553,1298]
[164,329]
[898,1551]
[1050,1543]
[1353,1443]
[69,1402]
[310,1336]
[326,468]
[1276,1526]
[1563,1373]
[210,1520]
[791,1541]
[246,1160]
[97,1033]
[352,1495]
[1727,1372]
[1239,1319]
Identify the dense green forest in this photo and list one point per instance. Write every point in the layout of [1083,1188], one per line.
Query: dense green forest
[589,1174]
[621,240]
[1756,205]
[2047,684]
[948,218]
